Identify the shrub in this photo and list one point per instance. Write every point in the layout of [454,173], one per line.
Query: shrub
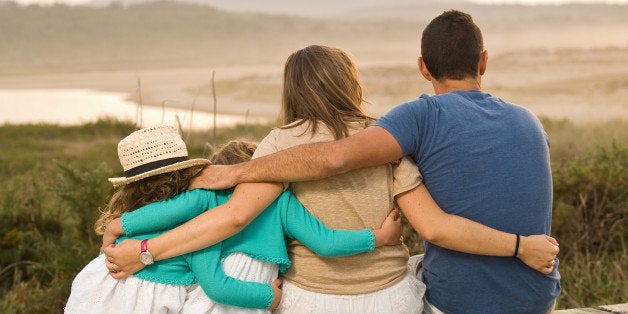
[51,195]
[591,207]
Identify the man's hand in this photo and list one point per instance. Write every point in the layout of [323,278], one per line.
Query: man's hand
[390,232]
[277,293]
[539,252]
[123,260]
[214,177]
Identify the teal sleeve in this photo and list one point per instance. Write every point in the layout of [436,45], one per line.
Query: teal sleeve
[169,213]
[299,224]
[223,289]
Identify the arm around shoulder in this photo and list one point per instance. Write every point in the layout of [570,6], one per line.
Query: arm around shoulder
[213,226]
[248,201]
[370,147]
[206,265]
[464,235]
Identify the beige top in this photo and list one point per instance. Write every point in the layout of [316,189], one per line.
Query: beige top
[355,200]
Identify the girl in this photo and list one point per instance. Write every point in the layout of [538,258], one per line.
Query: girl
[157,174]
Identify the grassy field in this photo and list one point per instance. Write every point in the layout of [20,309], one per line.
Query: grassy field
[54,182]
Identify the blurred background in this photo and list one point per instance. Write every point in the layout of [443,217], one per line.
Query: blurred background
[78,76]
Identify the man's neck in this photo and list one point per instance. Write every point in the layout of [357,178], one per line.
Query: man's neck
[446,85]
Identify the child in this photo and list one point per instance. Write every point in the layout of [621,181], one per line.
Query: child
[157,175]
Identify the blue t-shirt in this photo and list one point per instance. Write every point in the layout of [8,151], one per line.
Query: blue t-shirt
[486,160]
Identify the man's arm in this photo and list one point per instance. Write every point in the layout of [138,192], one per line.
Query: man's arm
[464,235]
[370,147]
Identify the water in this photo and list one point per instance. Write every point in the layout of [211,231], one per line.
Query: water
[78,106]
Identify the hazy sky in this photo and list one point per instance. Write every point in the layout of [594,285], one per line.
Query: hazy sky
[531,2]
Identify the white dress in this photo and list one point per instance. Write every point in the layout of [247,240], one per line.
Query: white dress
[404,297]
[94,291]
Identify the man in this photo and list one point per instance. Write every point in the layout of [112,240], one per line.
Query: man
[481,157]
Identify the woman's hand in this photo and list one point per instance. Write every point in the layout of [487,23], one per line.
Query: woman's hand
[277,293]
[539,252]
[390,232]
[112,233]
[123,259]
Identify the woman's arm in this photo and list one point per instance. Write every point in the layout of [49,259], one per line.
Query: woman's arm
[464,235]
[299,224]
[247,201]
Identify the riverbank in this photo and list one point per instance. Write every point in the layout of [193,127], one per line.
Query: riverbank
[172,87]
[78,106]
[581,85]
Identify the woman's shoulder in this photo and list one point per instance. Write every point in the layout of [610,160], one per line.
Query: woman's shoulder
[304,130]
[299,132]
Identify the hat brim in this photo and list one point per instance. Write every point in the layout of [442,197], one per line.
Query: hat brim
[191,163]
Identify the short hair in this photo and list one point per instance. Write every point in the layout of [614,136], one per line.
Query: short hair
[451,46]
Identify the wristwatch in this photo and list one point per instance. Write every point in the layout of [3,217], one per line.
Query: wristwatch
[145,257]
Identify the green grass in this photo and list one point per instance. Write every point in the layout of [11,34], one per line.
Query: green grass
[54,182]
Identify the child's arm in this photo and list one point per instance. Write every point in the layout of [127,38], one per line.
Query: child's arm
[299,224]
[162,215]
[223,289]
[169,213]
[210,227]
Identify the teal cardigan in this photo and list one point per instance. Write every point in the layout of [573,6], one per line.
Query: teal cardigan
[263,239]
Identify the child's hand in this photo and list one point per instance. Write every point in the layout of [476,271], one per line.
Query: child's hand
[276,284]
[390,233]
[114,231]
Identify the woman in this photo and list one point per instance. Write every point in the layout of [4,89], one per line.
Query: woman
[322,101]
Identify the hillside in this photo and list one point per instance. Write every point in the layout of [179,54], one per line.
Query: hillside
[170,34]
[163,34]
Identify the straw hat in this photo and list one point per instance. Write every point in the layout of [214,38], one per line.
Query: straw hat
[151,151]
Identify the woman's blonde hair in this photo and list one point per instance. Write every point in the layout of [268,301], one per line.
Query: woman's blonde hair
[321,84]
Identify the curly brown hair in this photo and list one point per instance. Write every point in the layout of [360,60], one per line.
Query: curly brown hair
[164,186]
[137,194]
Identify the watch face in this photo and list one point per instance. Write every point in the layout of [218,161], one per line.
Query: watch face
[146,258]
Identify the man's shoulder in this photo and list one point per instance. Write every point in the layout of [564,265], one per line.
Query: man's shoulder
[421,100]
[411,105]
